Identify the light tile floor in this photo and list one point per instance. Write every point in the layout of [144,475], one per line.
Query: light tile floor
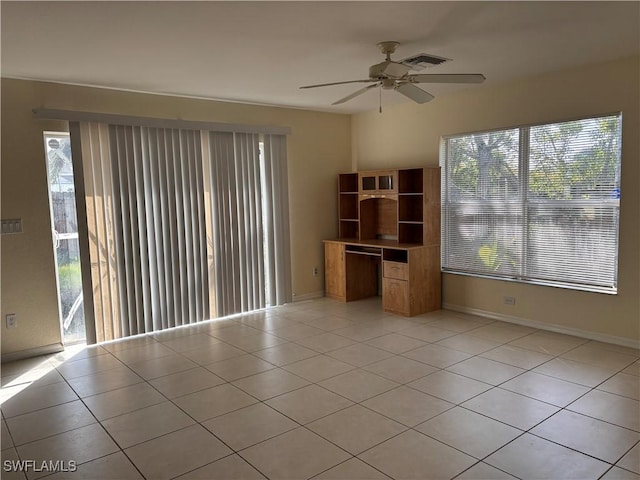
[326,390]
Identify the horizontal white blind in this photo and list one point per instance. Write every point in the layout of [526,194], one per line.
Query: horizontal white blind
[483,217]
[484,238]
[537,204]
[573,243]
[573,201]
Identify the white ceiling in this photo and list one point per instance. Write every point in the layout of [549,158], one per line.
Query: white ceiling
[261,52]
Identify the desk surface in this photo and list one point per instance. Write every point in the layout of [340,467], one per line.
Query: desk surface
[376,243]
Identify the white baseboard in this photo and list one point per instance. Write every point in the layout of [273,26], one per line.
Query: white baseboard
[308,296]
[576,332]
[32,352]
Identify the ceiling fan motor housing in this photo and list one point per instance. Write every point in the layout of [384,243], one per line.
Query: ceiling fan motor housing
[387,69]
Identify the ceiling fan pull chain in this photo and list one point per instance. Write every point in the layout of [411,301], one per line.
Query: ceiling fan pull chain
[380,90]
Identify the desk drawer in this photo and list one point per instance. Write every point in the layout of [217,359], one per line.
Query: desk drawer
[396,270]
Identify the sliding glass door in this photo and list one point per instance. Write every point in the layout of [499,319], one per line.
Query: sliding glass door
[181,225]
[65,236]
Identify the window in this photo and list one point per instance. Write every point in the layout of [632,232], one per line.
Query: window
[537,204]
[64,220]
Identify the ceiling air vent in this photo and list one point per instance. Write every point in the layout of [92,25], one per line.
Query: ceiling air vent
[422,60]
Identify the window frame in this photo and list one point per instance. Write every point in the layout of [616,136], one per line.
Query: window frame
[524,164]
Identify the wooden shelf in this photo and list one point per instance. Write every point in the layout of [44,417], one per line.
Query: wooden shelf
[410,232]
[395,255]
[348,204]
[378,218]
[349,229]
[348,183]
[411,180]
[390,205]
[410,208]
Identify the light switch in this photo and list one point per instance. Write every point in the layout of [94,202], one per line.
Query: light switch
[11,226]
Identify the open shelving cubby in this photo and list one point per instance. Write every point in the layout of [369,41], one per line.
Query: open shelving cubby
[394,255]
[348,207]
[411,205]
[348,183]
[410,180]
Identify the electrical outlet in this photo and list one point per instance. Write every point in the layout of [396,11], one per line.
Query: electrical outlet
[315,271]
[509,300]
[12,320]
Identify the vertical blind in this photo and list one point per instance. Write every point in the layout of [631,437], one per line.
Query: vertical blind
[161,234]
[176,225]
[145,215]
[276,220]
[237,222]
[536,204]
[250,221]
[103,301]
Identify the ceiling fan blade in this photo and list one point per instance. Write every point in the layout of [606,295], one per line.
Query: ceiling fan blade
[355,94]
[446,78]
[414,93]
[338,83]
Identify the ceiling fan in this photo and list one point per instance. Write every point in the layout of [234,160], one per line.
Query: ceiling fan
[391,75]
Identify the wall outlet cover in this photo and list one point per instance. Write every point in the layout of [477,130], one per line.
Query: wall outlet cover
[12,320]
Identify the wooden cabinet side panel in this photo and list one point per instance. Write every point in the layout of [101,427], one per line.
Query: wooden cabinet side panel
[434,278]
[425,288]
[432,206]
[334,271]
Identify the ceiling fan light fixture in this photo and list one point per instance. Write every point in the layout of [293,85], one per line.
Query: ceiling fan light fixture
[388,83]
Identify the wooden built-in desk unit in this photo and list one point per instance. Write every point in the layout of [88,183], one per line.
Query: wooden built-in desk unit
[391,219]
